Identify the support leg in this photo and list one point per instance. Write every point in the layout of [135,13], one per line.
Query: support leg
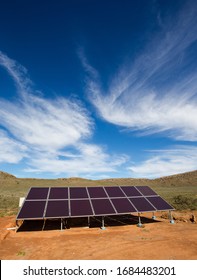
[44,224]
[17,226]
[88,221]
[139,223]
[153,216]
[61,224]
[103,224]
[171,218]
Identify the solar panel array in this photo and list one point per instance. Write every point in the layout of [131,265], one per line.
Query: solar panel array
[65,202]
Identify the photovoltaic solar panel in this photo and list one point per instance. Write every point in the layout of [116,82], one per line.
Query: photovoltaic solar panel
[114,192]
[131,191]
[141,204]
[97,192]
[32,210]
[57,202]
[123,205]
[78,192]
[57,209]
[145,190]
[38,193]
[58,193]
[159,203]
[102,207]
[81,208]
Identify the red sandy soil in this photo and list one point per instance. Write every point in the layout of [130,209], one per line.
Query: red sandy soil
[155,240]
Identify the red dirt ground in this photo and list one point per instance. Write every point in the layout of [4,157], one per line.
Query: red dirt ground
[156,240]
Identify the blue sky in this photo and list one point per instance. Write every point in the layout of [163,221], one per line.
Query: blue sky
[98,89]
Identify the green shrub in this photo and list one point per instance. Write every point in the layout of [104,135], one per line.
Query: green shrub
[181,202]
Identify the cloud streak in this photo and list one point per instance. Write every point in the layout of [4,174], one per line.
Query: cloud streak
[158,92]
[52,135]
[167,162]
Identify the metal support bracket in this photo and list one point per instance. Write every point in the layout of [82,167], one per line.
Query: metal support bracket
[103,224]
[139,223]
[171,218]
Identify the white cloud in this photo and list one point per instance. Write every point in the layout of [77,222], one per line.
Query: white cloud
[45,124]
[87,159]
[10,150]
[50,135]
[158,92]
[167,162]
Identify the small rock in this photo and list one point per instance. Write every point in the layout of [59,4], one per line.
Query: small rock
[193,219]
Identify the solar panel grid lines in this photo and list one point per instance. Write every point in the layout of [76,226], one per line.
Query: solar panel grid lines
[123,205]
[130,191]
[69,207]
[160,203]
[45,209]
[109,199]
[106,209]
[65,202]
[145,190]
[130,201]
[141,204]
[90,201]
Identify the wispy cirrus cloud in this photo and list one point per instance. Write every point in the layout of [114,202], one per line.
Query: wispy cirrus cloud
[157,93]
[87,159]
[167,162]
[11,151]
[50,134]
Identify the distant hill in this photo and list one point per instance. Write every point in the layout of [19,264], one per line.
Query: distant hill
[179,189]
[182,179]
[5,175]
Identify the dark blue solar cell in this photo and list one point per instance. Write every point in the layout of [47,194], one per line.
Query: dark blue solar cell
[38,193]
[131,191]
[58,193]
[97,192]
[80,208]
[114,192]
[57,208]
[32,210]
[102,207]
[78,192]
[123,205]
[141,204]
[145,190]
[159,203]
